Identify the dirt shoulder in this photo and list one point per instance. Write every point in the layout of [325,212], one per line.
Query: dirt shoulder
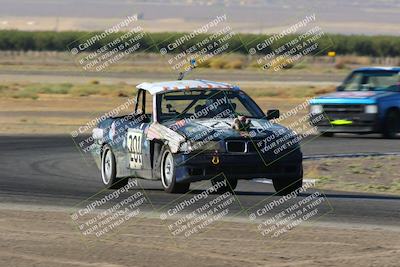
[367,174]
[47,238]
[53,114]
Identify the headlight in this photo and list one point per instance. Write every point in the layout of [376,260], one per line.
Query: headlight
[371,109]
[316,109]
[186,147]
[97,133]
[190,146]
[210,145]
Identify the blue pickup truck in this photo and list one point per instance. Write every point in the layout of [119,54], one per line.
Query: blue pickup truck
[368,101]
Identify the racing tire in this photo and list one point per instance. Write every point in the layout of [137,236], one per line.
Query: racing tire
[229,187]
[109,170]
[168,173]
[285,186]
[391,125]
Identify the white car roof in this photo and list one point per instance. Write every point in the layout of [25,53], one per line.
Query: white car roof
[154,88]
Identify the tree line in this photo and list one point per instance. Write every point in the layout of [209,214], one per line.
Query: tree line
[375,46]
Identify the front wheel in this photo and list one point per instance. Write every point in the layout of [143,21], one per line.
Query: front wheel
[168,174]
[285,186]
[391,124]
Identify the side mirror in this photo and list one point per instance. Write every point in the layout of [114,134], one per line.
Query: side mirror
[273,114]
[340,88]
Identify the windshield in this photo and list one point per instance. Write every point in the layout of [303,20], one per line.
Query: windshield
[372,81]
[200,104]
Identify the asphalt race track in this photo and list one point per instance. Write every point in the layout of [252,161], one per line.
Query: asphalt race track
[48,170]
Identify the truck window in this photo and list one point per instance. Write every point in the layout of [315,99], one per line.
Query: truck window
[372,81]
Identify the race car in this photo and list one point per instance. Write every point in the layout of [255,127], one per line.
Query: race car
[192,130]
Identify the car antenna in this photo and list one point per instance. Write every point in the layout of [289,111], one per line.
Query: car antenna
[191,67]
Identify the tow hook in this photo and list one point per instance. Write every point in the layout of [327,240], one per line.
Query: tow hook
[215,158]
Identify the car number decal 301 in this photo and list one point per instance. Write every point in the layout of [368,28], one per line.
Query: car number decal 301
[134,144]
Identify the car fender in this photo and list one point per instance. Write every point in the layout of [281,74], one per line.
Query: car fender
[158,131]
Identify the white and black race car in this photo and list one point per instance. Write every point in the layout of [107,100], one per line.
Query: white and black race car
[193,130]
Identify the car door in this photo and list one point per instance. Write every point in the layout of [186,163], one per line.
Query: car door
[137,147]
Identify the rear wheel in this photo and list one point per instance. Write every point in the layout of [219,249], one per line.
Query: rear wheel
[109,170]
[391,124]
[168,174]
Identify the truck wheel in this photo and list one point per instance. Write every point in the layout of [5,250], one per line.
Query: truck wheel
[230,185]
[391,125]
[109,170]
[168,175]
[285,186]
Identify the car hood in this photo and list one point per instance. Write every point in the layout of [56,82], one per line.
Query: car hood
[353,97]
[211,129]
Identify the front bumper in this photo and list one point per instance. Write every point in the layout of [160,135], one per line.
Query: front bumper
[361,123]
[192,168]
